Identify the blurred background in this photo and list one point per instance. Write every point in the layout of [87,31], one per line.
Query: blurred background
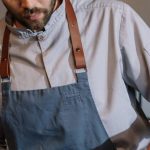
[143,9]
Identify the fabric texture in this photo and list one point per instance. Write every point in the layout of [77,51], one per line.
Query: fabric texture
[58,118]
[116,45]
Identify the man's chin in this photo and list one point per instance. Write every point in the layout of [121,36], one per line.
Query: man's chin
[35,27]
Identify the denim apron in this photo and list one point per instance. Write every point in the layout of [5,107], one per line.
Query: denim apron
[59,118]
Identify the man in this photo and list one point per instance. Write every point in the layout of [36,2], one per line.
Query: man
[48,104]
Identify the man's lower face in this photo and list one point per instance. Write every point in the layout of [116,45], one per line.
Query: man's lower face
[34,19]
[34,15]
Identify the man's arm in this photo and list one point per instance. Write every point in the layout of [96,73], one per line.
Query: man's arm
[135,50]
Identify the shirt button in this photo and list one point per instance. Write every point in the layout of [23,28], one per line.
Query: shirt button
[41,37]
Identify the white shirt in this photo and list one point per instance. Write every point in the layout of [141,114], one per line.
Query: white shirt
[116,45]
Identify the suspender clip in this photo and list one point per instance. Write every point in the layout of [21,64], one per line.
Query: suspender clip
[6,80]
[80,70]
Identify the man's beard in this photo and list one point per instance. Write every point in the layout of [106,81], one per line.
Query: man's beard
[37,25]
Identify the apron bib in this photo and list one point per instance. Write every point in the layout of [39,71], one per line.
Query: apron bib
[59,118]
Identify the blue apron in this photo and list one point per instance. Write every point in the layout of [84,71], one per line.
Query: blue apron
[59,118]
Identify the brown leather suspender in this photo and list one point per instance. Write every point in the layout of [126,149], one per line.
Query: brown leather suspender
[75,40]
[75,37]
[5,64]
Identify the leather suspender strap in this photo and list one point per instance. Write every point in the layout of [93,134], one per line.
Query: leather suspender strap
[5,64]
[75,37]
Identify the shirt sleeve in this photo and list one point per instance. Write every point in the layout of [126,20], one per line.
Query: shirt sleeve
[135,51]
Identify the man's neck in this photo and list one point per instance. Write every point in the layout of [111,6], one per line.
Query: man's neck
[18,25]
